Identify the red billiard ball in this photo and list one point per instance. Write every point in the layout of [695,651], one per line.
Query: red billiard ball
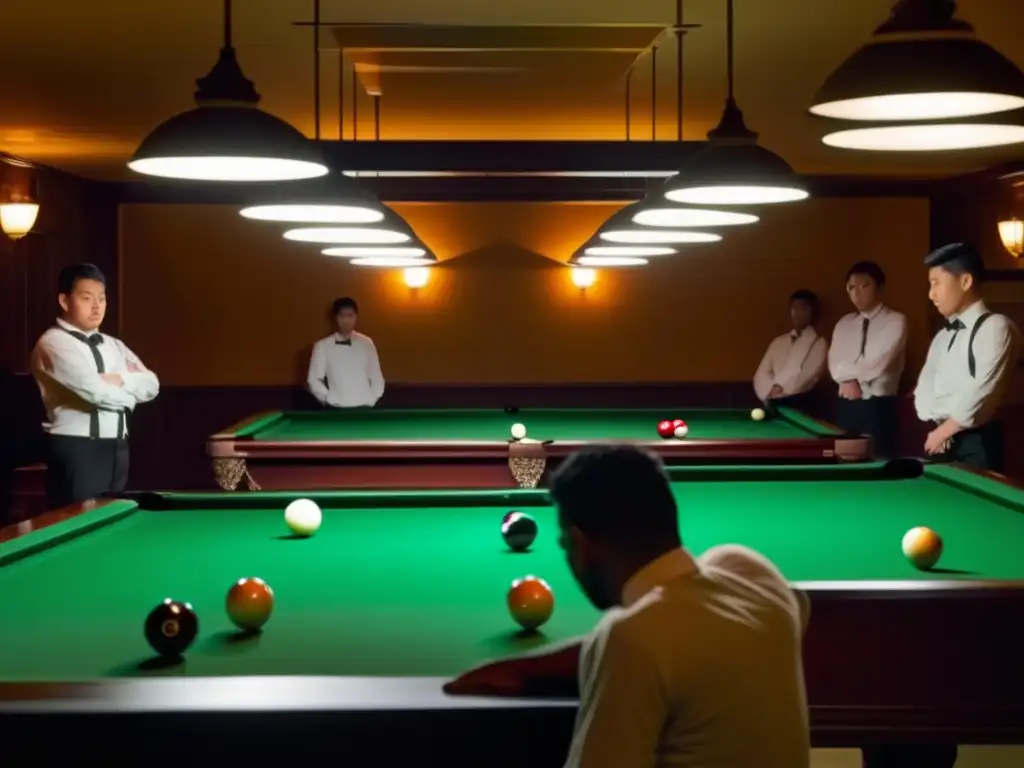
[250,603]
[530,601]
[678,423]
[171,628]
[666,428]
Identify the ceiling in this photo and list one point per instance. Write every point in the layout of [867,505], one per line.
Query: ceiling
[83,82]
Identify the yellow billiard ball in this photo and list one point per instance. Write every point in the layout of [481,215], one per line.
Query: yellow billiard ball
[923,547]
[757,414]
[530,601]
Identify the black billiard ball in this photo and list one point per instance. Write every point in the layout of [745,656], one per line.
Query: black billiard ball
[518,530]
[171,628]
[510,409]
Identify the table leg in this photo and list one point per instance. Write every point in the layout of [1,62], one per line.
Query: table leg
[910,756]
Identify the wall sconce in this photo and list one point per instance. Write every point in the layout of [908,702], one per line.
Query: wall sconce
[416,277]
[1011,232]
[18,204]
[583,277]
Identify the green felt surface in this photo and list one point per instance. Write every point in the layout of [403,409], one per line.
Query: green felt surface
[413,583]
[541,424]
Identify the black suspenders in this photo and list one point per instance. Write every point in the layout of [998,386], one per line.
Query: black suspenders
[970,343]
[93,342]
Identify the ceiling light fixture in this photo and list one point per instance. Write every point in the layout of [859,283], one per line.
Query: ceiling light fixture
[668,216]
[921,64]
[733,169]
[640,251]
[336,199]
[608,261]
[347,235]
[390,261]
[387,251]
[226,137]
[658,236]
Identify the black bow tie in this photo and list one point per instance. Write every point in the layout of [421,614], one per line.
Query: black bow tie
[344,342]
[93,341]
[954,325]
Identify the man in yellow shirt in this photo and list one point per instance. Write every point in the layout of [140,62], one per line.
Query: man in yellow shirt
[697,660]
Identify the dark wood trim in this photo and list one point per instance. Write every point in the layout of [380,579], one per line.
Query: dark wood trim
[53,517]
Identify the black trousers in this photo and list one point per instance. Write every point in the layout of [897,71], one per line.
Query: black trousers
[981,447]
[81,468]
[877,417]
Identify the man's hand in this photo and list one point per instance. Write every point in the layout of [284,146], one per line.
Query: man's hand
[776,391]
[940,438]
[850,390]
[499,678]
[113,378]
[136,368]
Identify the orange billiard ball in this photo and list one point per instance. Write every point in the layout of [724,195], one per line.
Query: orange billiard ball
[250,602]
[923,547]
[531,602]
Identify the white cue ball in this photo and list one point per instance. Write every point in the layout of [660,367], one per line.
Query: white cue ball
[681,431]
[518,431]
[303,517]
[757,414]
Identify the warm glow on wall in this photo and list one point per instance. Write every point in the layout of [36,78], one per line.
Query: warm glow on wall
[582,277]
[416,277]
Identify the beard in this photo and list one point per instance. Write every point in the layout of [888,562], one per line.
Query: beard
[594,586]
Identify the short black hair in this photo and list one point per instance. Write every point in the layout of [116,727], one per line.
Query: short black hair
[959,259]
[870,269]
[71,274]
[616,492]
[808,296]
[345,302]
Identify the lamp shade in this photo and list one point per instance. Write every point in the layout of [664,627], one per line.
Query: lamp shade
[415,254]
[729,172]
[930,77]
[334,199]
[1011,232]
[227,143]
[974,132]
[621,227]
[17,219]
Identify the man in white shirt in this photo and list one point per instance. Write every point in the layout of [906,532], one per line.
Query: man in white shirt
[89,383]
[866,360]
[794,361]
[969,364]
[344,370]
[696,662]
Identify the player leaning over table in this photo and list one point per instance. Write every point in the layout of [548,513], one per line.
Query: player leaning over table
[969,364]
[794,361]
[866,360]
[89,383]
[697,660]
[344,369]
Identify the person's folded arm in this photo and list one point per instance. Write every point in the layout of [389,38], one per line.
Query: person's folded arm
[140,382]
[60,359]
[811,370]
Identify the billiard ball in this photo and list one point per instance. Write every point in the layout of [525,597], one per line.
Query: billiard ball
[518,431]
[518,530]
[249,603]
[923,547]
[303,517]
[678,422]
[171,628]
[757,414]
[530,601]
[511,409]
[681,430]
[666,429]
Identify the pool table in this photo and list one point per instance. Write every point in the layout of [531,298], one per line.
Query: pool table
[400,589]
[473,448]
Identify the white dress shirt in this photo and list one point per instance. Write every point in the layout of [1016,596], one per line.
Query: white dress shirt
[72,389]
[794,361]
[702,667]
[945,388]
[879,368]
[352,371]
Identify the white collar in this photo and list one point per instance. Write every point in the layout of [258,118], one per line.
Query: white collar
[970,315]
[72,329]
[673,564]
[807,332]
[877,311]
